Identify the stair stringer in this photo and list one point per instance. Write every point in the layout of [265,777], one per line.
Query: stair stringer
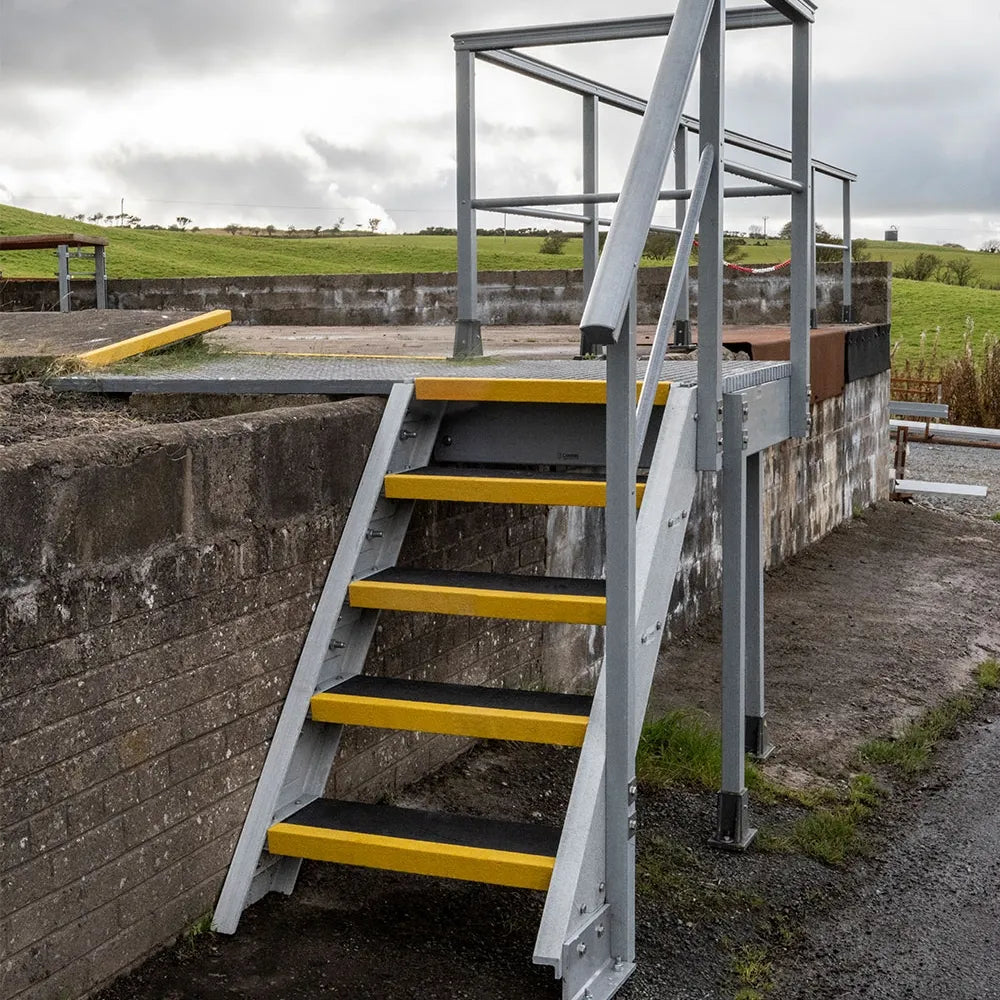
[301,752]
[576,895]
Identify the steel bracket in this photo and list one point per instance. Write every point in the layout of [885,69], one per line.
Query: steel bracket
[734,832]
[590,971]
[757,739]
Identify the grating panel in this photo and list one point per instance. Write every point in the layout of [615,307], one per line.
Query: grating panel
[245,373]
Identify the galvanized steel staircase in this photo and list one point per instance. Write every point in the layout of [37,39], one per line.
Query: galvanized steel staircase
[482,440]
[290,820]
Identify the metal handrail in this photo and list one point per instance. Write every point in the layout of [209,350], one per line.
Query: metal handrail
[672,298]
[616,270]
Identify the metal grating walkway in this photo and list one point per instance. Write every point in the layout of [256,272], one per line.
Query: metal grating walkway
[256,373]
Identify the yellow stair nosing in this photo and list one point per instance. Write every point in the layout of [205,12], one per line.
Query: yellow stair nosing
[522,390]
[455,720]
[497,489]
[574,609]
[472,864]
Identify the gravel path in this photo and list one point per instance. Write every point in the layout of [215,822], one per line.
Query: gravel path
[948,463]
[928,925]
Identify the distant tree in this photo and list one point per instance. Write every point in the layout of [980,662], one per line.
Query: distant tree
[317,230]
[659,246]
[923,267]
[79,218]
[338,225]
[373,224]
[554,242]
[96,217]
[291,230]
[756,232]
[183,222]
[859,251]
[269,229]
[232,229]
[991,246]
[959,271]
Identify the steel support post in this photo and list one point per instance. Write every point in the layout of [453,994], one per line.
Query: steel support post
[591,229]
[620,639]
[682,325]
[468,333]
[733,830]
[710,245]
[848,254]
[802,239]
[813,311]
[101,277]
[757,741]
[63,254]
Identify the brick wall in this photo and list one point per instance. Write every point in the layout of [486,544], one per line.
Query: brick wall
[155,588]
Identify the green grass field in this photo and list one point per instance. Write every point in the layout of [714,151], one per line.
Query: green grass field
[941,311]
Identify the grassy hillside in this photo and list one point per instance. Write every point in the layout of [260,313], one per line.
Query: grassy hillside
[942,311]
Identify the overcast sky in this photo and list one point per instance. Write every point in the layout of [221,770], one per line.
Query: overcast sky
[304,111]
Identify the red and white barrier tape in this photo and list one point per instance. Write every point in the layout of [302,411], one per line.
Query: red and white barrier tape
[758,270]
[755,270]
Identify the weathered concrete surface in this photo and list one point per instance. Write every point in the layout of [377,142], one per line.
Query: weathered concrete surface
[534,298]
[31,341]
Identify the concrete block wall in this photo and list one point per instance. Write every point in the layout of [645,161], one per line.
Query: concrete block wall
[811,486]
[505,297]
[155,589]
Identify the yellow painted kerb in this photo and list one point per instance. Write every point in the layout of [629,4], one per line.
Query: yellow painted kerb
[478,602]
[496,489]
[472,864]
[163,337]
[523,390]
[480,722]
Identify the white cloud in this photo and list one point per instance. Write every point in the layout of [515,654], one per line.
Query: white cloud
[220,111]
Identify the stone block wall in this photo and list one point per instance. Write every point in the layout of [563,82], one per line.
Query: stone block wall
[811,486]
[505,297]
[155,589]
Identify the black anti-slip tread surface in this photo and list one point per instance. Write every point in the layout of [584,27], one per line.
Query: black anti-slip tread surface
[464,694]
[516,583]
[418,824]
[495,472]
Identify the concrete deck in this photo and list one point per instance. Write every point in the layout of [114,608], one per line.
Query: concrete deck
[31,341]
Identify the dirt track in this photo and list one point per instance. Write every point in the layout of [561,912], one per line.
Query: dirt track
[883,618]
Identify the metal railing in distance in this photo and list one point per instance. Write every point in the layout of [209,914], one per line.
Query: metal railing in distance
[672,298]
[615,277]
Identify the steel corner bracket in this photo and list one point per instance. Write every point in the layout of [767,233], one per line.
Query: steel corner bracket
[733,832]
[757,740]
[468,339]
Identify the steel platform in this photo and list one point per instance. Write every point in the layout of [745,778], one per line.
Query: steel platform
[246,373]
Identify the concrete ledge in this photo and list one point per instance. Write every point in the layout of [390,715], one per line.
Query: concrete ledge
[162,337]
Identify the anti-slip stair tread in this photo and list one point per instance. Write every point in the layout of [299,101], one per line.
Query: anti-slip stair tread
[496,472]
[550,586]
[380,820]
[500,389]
[502,699]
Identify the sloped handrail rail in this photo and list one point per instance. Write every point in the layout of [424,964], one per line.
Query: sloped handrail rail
[616,270]
[672,298]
